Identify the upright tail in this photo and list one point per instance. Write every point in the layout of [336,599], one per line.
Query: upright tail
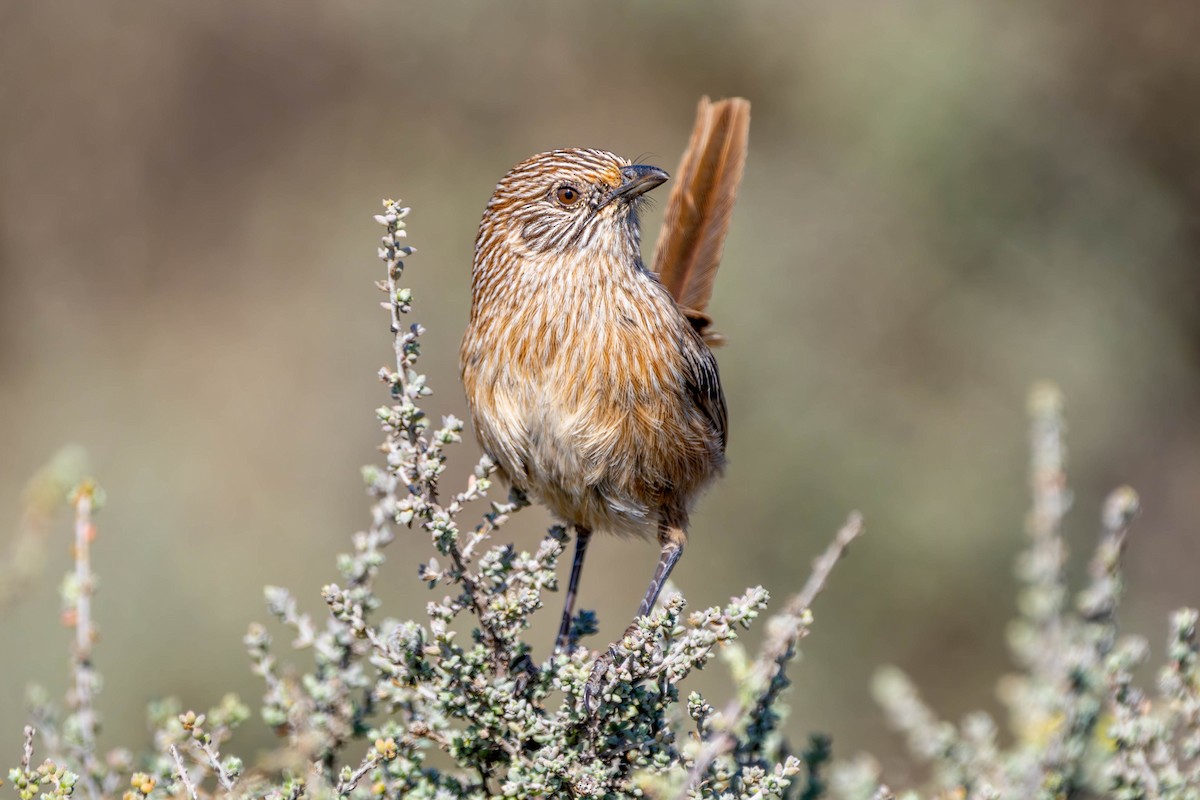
[700,206]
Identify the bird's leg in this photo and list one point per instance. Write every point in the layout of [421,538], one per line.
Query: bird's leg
[672,540]
[670,553]
[582,536]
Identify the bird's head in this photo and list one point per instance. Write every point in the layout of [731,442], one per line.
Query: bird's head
[567,202]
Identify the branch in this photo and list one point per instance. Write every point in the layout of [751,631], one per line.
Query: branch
[182,772]
[1042,567]
[787,629]
[214,758]
[79,613]
[27,752]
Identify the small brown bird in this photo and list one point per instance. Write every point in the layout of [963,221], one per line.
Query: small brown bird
[589,377]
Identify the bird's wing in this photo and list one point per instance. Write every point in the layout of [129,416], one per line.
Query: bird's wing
[704,386]
[700,206]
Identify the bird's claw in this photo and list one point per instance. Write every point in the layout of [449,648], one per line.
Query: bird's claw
[595,682]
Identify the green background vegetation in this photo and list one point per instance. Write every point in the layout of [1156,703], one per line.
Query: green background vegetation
[943,203]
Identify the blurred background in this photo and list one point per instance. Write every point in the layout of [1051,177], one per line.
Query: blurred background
[943,204]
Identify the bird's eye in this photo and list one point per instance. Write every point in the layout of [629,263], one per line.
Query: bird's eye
[567,195]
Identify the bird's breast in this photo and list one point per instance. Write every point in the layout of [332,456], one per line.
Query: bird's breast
[582,402]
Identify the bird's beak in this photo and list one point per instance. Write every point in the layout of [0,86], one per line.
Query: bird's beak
[637,180]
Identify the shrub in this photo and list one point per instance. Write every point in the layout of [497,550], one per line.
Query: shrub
[454,705]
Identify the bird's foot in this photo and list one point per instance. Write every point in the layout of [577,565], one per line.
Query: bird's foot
[593,689]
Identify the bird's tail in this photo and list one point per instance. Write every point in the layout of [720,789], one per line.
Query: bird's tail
[700,206]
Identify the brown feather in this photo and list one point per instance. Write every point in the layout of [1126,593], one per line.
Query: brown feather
[589,386]
[700,206]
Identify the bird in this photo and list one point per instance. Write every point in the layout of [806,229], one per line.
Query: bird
[590,378]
